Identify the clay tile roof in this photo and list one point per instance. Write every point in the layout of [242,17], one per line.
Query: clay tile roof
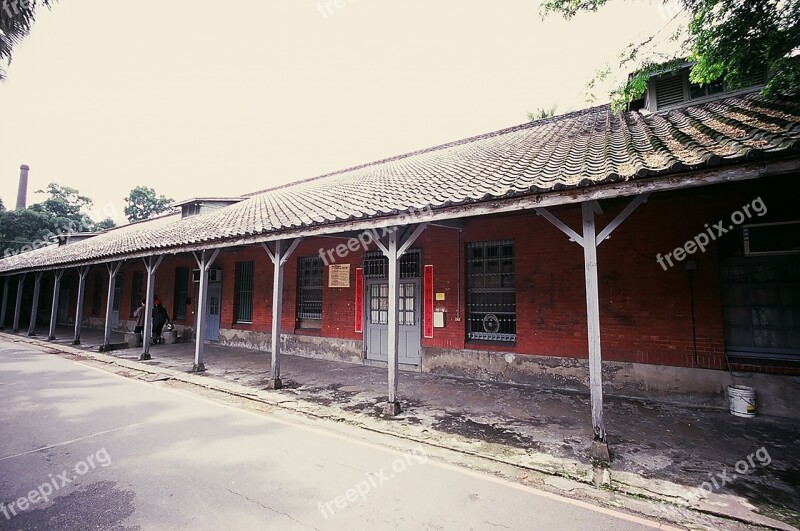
[579,149]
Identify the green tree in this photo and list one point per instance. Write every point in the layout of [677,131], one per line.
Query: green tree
[105,224]
[142,203]
[16,20]
[61,213]
[735,40]
[23,230]
[64,202]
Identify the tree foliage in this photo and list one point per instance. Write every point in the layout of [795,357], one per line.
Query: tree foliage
[143,203]
[16,20]
[733,40]
[62,212]
[64,202]
[540,114]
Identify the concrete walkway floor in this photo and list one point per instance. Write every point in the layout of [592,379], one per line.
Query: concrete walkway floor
[684,455]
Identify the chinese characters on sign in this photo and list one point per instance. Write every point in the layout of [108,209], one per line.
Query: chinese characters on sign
[339,276]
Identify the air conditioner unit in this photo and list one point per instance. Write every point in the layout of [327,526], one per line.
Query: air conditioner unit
[772,238]
[214,274]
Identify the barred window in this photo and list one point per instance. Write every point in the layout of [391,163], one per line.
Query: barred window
[243,294]
[180,308]
[97,293]
[309,291]
[376,265]
[491,295]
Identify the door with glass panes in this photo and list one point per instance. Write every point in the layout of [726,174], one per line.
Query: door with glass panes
[376,293]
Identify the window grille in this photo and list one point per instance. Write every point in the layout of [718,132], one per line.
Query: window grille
[97,293]
[376,265]
[244,292]
[491,294]
[309,288]
[180,308]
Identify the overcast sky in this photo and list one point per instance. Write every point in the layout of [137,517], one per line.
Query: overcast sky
[199,98]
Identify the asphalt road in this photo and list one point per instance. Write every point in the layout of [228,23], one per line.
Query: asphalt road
[109,452]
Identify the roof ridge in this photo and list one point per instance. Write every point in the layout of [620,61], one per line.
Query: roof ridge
[467,140]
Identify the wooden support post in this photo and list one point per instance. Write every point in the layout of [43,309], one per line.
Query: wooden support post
[589,241]
[204,262]
[6,287]
[151,264]
[113,269]
[395,247]
[57,274]
[18,305]
[600,446]
[277,311]
[37,288]
[82,273]
[393,405]
[200,314]
[279,258]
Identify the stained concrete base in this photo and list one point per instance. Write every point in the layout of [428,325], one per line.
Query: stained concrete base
[776,395]
[391,409]
[599,452]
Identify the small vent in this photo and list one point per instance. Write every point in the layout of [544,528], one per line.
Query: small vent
[669,91]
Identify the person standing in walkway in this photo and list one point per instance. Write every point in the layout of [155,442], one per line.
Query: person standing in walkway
[139,315]
[160,317]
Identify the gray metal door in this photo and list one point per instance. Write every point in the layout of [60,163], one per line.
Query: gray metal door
[377,303]
[213,311]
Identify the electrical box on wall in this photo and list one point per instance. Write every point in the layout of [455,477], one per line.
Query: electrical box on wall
[438,319]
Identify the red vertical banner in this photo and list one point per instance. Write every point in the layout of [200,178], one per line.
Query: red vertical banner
[359,306]
[427,305]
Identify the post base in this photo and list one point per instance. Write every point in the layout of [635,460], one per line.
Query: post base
[601,476]
[599,452]
[31,334]
[145,356]
[76,342]
[275,384]
[51,338]
[198,367]
[391,409]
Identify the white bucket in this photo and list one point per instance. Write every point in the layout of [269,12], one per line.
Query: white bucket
[742,400]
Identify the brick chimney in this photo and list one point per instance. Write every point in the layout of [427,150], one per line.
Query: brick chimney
[22,191]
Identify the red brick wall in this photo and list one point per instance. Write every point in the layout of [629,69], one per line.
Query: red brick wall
[645,311]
